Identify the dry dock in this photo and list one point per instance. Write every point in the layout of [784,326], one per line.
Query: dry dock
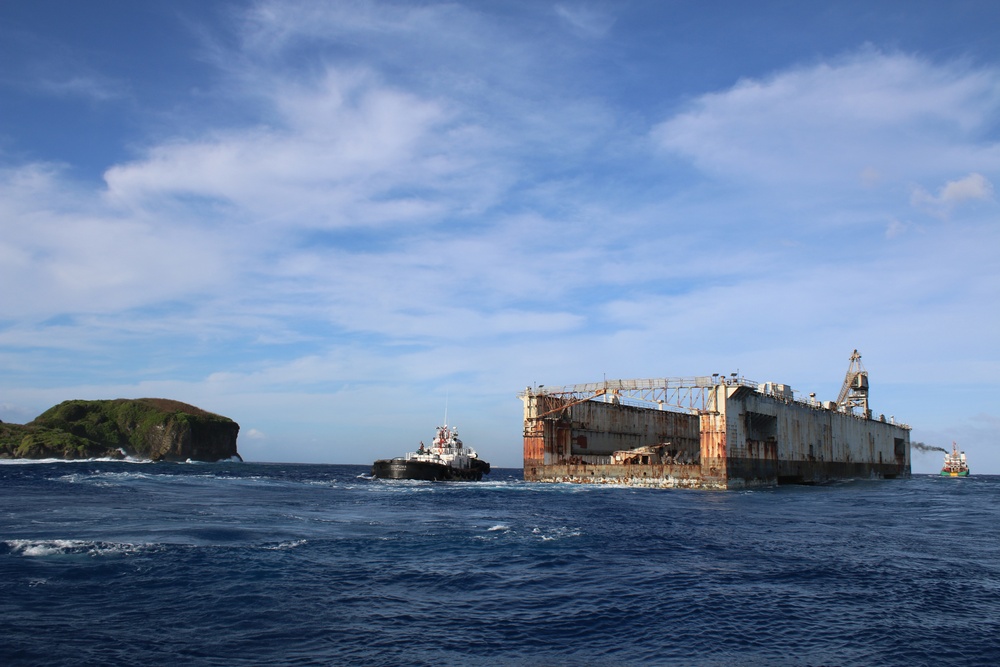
[711,432]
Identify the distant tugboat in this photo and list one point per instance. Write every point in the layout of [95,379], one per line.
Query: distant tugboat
[447,459]
[954,463]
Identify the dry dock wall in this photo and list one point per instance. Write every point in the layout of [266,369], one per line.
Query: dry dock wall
[743,438]
[593,431]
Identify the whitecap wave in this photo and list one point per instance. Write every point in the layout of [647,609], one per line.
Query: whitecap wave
[284,546]
[103,479]
[558,533]
[103,459]
[232,459]
[42,548]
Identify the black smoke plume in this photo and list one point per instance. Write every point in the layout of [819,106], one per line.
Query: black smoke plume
[919,446]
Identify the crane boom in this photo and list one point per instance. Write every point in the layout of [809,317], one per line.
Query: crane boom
[599,392]
[854,393]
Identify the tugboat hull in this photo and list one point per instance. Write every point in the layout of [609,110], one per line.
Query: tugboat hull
[425,470]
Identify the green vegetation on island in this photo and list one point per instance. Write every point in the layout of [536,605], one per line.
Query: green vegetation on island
[158,429]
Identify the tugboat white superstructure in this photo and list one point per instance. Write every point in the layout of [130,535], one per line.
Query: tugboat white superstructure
[447,459]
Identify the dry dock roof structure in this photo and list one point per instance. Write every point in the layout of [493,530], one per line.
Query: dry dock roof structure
[710,432]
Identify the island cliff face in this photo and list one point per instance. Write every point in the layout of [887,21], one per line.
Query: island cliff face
[150,428]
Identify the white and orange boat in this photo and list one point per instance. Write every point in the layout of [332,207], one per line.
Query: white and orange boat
[955,464]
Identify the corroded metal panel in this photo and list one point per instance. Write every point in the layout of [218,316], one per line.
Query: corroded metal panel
[594,428]
[604,428]
[533,450]
[807,443]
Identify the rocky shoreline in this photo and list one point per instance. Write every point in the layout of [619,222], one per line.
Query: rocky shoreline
[156,429]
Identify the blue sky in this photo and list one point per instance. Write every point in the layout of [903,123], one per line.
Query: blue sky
[334,221]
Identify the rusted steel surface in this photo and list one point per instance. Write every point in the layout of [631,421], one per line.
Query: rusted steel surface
[597,428]
[747,438]
[656,476]
[812,444]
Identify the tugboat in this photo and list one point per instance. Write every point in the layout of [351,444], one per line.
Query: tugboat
[954,463]
[447,459]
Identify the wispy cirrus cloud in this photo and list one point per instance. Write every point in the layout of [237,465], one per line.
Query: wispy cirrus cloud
[586,21]
[55,69]
[90,87]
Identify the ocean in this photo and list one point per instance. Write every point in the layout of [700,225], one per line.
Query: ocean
[116,563]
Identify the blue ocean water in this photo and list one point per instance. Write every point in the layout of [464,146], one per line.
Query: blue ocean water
[271,564]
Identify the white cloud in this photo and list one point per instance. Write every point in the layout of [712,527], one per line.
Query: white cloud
[895,116]
[973,186]
[65,252]
[348,151]
[970,188]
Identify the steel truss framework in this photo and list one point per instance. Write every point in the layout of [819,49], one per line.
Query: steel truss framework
[690,394]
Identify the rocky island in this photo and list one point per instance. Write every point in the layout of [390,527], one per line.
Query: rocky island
[158,429]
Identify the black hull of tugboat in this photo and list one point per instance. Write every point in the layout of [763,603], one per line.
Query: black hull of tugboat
[424,470]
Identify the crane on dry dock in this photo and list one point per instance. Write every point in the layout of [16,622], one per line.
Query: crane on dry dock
[854,393]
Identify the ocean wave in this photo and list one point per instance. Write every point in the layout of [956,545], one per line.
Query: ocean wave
[405,486]
[111,478]
[231,459]
[109,459]
[311,565]
[102,478]
[41,548]
[103,459]
[285,546]
[34,548]
[559,533]
[500,531]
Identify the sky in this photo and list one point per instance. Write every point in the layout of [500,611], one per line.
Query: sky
[341,223]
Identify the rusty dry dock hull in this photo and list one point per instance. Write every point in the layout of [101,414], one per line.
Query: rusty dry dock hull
[423,470]
[740,437]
